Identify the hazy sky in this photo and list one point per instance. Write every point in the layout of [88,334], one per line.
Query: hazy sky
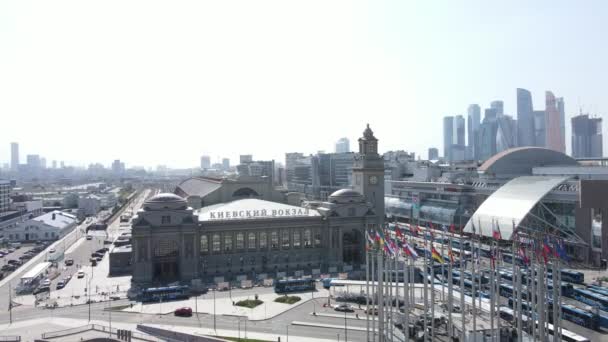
[164,82]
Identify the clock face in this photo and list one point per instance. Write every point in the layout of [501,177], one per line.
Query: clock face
[373,180]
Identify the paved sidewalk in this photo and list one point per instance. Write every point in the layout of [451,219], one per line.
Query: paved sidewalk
[223,306]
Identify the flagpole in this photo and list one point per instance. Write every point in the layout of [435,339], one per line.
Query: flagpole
[425,294]
[375,298]
[474,280]
[367,250]
[450,294]
[492,284]
[381,297]
[406,300]
[462,305]
[432,287]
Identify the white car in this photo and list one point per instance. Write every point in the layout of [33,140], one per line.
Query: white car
[46,282]
[52,250]
[80,274]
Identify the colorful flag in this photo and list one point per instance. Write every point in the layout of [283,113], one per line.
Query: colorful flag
[452,228]
[398,232]
[410,251]
[496,231]
[435,255]
[370,239]
[450,254]
[523,256]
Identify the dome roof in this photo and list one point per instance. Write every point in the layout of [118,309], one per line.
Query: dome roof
[345,194]
[166,201]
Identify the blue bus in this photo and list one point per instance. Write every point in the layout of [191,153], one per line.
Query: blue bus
[598,289]
[570,276]
[570,313]
[566,289]
[294,285]
[507,291]
[591,298]
[508,258]
[581,317]
[158,294]
[327,282]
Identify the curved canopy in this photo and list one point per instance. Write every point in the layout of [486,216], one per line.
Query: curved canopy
[521,161]
[511,203]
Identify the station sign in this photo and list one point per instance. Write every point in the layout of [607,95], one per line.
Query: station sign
[258,213]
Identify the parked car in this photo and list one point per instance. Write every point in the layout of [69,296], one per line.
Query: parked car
[52,250]
[80,274]
[102,251]
[14,262]
[69,262]
[95,255]
[89,237]
[98,259]
[344,308]
[183,312]
[45,282]
[41,289]
[60,284]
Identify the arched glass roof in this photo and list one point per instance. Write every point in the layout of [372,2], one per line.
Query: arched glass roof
[511,203]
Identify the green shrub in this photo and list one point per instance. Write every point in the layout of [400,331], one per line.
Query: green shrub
[288,299]
[249,303]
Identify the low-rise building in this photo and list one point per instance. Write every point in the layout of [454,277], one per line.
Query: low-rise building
[90,204]
[50,226]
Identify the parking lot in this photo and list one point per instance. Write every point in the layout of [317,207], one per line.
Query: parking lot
[11,258]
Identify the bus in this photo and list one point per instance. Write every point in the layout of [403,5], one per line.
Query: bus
[327,282]
[598,289]
[162,294]
[294,285]
[591,298]
[508,258]
[570,276]
[565,289]
[507,291]
[581,317]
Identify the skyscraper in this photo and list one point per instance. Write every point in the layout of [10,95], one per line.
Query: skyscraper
[448,137]
[555,140]
[525,118]
[226,164]
[499,107]
[15,156]
[205,162]
[342,145]
[586,137]
[562,120]
[540,136]
[453,138]
[433,153]
[473,122]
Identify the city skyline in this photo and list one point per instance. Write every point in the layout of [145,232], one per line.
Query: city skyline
[384,64]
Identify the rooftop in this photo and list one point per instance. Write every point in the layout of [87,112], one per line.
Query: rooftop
[56,218]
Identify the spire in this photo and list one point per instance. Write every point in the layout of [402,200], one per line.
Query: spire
[368,133]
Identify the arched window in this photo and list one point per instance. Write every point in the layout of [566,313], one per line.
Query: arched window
[227,242]
[285,238]
[263,241]
[240,241]
[307,238]
[204,244]
[251,240]
[216,243]
[274,239]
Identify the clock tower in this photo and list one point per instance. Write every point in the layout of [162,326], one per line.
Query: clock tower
[368,173]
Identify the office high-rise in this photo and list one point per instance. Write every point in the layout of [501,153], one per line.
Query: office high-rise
[205,162]
[459,131]
[473,122]
[525,118]
[342,145]
[499,107]
[448,137]
[586,137]
[555,140]
[540,137]
[14,156]
[433,153]
[226,164]
[559,102]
